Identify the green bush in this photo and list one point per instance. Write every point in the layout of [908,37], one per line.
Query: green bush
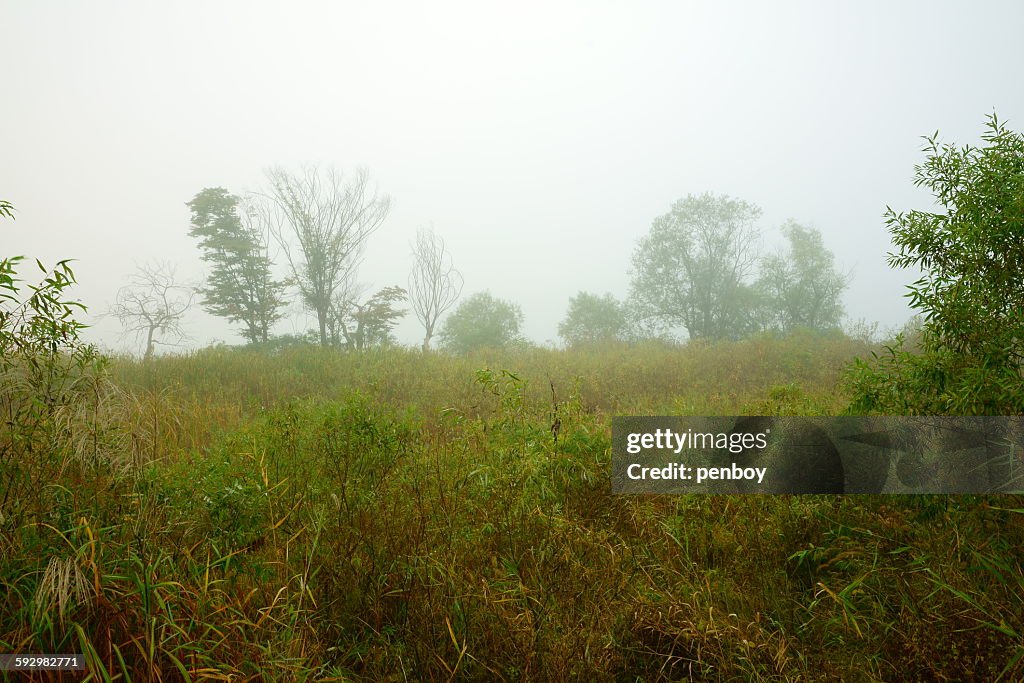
[971,292]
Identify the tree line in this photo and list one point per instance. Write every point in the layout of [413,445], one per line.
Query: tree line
[699,270]
[320,221]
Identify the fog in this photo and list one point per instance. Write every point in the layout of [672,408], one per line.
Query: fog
[538,140]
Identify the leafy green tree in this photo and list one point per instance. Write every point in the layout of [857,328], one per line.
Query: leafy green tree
[693,268]
[971,292]
[359,326]
[52,384]
[592,319]
[48,376]
[42,323]
[801,287]
[240,286]
[482,321]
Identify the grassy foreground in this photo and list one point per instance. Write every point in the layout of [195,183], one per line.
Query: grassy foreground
[308,515]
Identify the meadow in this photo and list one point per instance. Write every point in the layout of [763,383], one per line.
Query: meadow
[304,514]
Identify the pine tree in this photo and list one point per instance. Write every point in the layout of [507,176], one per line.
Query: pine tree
[240,286]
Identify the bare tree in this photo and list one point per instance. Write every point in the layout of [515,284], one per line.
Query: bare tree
[434,284]
[329,219]
[154,302]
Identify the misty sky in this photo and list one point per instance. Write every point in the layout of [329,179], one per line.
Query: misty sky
[539,139]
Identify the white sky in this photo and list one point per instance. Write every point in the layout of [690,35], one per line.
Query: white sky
[539,139]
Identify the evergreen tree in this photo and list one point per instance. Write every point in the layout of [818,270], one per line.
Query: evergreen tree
[240,286]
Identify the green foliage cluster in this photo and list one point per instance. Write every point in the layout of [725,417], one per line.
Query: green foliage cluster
[593,319]
[357,326]
[482,321]
[695,269]
[52,386]
[691,270]
[44,321]
[240,286]
[970,359]
[800,288]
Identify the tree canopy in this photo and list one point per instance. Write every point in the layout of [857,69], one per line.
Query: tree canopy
[240,286]
[971,290]
[592,319]
[322,222]
[801,287]
[360,325]
[481,321]
[693,267]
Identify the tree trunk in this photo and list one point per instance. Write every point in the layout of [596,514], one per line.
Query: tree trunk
[149,343]
[321,318]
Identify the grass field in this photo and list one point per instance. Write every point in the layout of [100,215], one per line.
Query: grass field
[391,516]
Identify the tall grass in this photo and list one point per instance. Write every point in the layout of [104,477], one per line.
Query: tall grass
[311,515]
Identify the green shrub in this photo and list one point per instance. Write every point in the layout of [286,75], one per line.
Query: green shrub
[971,292]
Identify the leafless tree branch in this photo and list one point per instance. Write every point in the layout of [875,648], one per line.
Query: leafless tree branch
[434,283]
[153,302]
[322,223]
